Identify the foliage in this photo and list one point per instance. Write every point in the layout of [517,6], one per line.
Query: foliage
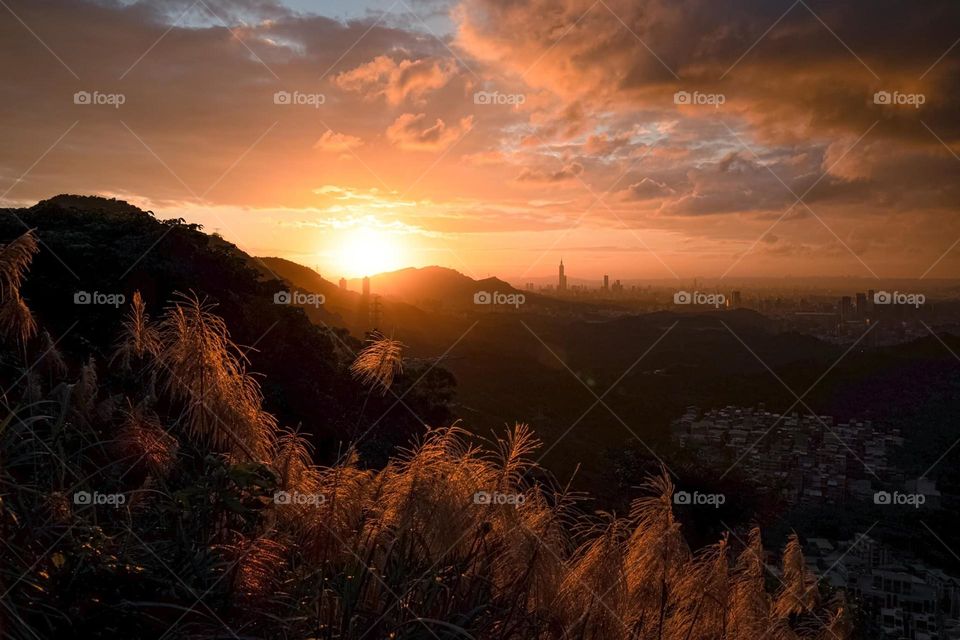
[379,362]
[186,512]
[98,245]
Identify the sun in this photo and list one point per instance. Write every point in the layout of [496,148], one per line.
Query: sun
[365,251]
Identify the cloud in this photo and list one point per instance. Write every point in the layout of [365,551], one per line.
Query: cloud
[486,158]
[599,108]
[410,133]
[734,184]
[567,172]
[604,145]
[201,100]
[331,141]
[646,189]
[729,47]
[397,81]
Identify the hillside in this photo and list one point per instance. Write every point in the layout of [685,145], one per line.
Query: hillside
[435,288]
[493,355]
[699,361]
[422,332]
[98,245]
[131,484]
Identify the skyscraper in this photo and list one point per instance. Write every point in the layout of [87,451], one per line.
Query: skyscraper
[562,282]
[846,309]
[606,283]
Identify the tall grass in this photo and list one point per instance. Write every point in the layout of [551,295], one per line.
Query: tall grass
[16,320]
[379,362]
[206,370]
[229,522]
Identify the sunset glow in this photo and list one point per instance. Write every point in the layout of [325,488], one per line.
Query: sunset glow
[606,133]
[365,251]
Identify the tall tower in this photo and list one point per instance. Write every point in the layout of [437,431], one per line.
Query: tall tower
[562,282]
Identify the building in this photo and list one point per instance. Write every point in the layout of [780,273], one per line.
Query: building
[804,458]
[862,313]
[562,280]
[606,283]
[366,286]
[343,283]
[846,309]
[899,595]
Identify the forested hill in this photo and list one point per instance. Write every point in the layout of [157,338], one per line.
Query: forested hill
[104,246]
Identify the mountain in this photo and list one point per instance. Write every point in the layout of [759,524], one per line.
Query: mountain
[570,354]
[543,363]
[437,288]
[106,247]
[338,305]
[424,333]
[131,484]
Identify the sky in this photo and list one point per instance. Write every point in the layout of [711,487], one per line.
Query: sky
[636,138]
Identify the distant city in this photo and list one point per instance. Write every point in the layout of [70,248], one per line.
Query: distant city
[900,596]
[813,460]
[874,316]
[803,458]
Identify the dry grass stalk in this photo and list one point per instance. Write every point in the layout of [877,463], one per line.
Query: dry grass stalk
[379,362]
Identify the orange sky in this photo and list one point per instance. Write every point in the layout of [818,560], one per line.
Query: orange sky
[495,137]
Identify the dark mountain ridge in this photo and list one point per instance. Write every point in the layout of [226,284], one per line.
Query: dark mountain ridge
[102,246]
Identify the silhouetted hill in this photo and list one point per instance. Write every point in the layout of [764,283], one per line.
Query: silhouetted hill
[532,364]
[442,289]
[339,304]
[105,246]
[426,287]
[421,331]
[710,359]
